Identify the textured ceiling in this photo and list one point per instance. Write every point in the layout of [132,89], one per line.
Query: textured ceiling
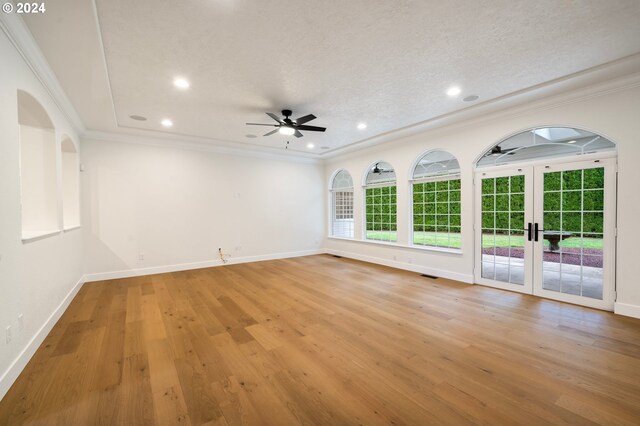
[386,63]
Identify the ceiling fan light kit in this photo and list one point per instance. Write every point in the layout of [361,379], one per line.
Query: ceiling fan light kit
[287,126]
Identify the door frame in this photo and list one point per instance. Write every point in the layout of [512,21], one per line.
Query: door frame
[609,288]
[608,234]
[527,172]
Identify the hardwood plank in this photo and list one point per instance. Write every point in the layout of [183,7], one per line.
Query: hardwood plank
[267,338]
[168,401]
[320,340]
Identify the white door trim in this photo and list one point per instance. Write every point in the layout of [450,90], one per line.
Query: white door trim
[527,172]
[534,174]
[609,237]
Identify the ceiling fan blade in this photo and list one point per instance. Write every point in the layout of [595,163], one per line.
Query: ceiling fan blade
[312,128]
[260,124]
[297,134]
[275,117]
[271,132]
[305,119]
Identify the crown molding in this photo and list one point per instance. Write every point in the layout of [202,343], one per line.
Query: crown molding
[608,78]
[202,144]
[597,81]
[20,36]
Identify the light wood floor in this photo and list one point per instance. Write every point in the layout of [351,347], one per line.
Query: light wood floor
[321,340]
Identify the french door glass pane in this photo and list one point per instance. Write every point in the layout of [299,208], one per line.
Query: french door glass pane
[503,229]
[573,232]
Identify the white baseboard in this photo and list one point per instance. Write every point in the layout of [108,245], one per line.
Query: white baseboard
[100,276]
[13,371]
[627,310]
[406,266]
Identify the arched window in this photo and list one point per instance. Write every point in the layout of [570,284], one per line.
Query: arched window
[544,142]
[342,205]
[436,200]
[70,184]
[380,202]
[37,169]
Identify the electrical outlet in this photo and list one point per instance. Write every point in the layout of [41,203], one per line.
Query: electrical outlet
[20,322]
[8,339]
[238,248]
[141,256]
[394,257]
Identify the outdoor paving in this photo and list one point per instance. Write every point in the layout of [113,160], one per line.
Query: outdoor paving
[572,279]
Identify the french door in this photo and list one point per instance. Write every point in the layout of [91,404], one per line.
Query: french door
[549,230]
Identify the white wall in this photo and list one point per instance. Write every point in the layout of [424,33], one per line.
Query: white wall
[35,277]
[70,185]
[177,206]
[613,114]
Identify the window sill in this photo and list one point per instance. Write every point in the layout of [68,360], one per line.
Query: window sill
[438,249]
[341,238]
[403,246]
[30,236]
[383,243]
[72,227]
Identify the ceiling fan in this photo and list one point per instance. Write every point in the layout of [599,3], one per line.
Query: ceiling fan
[497,150]
[379,171]
[287,126]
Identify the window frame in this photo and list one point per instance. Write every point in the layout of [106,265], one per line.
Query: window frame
[365,187]
[332,204]
[411,210]
[578,149]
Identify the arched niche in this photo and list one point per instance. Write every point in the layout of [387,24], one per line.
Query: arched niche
[70,166]
[38,175]
[31,113]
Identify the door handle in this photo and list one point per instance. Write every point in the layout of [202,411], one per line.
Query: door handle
[528,229]
[535,232]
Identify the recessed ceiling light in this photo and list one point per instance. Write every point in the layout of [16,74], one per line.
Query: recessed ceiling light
[471,98]
[138,117]
[181,83]
[166,122]
[310,145]
[250,136]
[454,91]
[571,142]
[362,126]
[285,130]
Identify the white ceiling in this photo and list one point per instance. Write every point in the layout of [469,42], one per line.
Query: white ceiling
[386,63]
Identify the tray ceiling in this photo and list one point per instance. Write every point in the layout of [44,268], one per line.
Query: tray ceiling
[386,64]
